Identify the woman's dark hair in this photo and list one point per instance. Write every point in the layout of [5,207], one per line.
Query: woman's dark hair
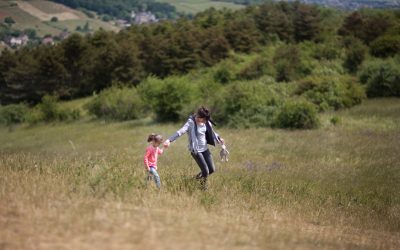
[154,137]
[203,112]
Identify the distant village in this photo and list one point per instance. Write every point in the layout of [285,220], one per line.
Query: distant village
[143,17]
[23,39]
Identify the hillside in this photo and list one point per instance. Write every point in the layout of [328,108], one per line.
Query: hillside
[37,15]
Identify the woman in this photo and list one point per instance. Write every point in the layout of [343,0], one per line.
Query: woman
[200,134]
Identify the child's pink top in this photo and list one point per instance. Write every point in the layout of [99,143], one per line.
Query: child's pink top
[150,158]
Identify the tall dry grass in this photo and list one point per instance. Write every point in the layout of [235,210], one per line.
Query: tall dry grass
[82,186]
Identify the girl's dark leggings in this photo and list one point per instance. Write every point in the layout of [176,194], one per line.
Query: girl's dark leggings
[205,162]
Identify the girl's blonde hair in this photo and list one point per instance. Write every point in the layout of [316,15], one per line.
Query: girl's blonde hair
[155,138]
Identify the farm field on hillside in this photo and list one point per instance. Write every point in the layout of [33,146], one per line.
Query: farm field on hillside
[52,7]
[37,14]
[194,6]
[44,13]
[24,20]
[73,24]
[81,185]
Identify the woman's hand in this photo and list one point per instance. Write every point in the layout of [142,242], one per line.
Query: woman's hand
[222,141]
[166,143]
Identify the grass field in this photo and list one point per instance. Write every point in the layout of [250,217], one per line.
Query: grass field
[71,25]
[194,6]
[24,20]
[81,186]
[50,7]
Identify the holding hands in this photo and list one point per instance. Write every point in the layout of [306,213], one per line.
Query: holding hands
[167,143]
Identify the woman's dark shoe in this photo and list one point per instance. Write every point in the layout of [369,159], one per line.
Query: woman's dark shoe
[203,184]
[198,176]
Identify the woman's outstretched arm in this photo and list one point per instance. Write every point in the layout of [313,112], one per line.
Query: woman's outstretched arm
[178,134]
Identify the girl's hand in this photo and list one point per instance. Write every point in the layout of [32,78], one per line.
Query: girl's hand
[222,141]
[166,143]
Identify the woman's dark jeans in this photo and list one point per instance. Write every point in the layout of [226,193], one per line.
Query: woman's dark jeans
[206,164]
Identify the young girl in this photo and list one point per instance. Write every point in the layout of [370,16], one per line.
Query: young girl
[150,158]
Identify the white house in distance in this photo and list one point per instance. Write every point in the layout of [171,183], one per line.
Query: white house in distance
[48,40]
[122,23]
[18,41]
[143,17]
[63,35]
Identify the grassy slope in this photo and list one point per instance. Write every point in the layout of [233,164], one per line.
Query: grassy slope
[79,185]
[25,20]
[194,6]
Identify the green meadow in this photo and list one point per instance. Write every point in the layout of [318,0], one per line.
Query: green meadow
[81,185]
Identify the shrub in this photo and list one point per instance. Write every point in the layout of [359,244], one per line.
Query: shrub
[298,115]
[261,116]
[327,51]
[355,54]
[331,92]
[209,94]
[381,77]
[386,46]
[289,64]
[13,114]
[106,18]
[167,98]
[223,75]
[286,59]
[254,70]
[49,110]
[329,68]
[34,116]
[284,72]
[335,120]
[116,103]
[247,104]
[9,20]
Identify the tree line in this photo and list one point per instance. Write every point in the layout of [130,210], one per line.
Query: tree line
[81,65]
